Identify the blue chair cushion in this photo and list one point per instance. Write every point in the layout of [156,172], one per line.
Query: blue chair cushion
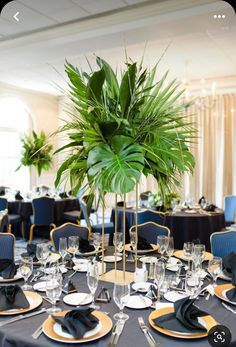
[14,218]
[72,216]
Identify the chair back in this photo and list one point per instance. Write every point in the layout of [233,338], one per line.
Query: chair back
[223,243]
[230,208]
[66,230]
[3,220]
[43,209]
[3,204]
[7,246]
[151,230]
[151,216]
[85,213]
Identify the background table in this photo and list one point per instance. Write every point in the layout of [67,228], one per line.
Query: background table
[183,226]
[18,334]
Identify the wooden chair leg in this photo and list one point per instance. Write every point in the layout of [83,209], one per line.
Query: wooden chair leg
[9,228]
[31,233]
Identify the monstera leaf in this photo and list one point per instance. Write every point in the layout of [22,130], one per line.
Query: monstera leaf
[117,167]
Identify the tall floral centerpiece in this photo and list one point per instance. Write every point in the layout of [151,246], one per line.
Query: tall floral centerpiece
[119,130]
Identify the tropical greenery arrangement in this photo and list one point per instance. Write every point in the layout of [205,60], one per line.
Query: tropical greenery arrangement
[118,131]
[36,152]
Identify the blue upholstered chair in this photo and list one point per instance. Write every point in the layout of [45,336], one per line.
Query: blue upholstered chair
[12,219]
[7,246]
[223,242]
[151,216]
[43,214]
[3,220]
[151,230]
[230,209]
[76,215]
[108,227]
[66,230]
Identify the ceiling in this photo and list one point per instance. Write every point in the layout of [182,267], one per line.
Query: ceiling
[34,49]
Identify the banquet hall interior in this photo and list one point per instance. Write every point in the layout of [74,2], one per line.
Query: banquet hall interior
[118,173]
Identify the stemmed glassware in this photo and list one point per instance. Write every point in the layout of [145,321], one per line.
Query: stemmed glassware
[132,234]
[97,238]
[159,275]
[92,281]
[73,245]
[170,248]
[118,243]
[162,241]
[63,248]
[199,251]
[53,291]
[121,294]
[188,252]
[215,268]
[192,284]
[42,254]
[25,270]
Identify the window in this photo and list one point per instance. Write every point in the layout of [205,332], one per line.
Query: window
[14,121]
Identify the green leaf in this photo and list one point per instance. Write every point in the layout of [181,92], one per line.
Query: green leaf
[127,88]
[94,86]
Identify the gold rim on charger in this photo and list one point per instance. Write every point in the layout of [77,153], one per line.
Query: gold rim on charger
[142,251]
[220,289]
[180,254]
[103,318]
[209,321]
[36,301]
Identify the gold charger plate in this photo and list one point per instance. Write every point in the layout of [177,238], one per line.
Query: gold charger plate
[219,292]
[141,251]
[88,254]
[34,300]
[209,322]
[180,254]
[103,318]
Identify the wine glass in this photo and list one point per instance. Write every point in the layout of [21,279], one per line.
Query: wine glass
[133,239]
[170,247]
[73,245]
[25,270]
[188,251]
[162,241]
[118,243]
[42,254]
[192,284]
[121,294]
[53,291]
[97,238]
[215,268]
[199,252]
[159,275]
[63,248]
[92,281]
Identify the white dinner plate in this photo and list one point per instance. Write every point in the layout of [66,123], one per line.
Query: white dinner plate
[112,258]
[173,296]
[148,260]
[76,299]
[40,286]
[138,302]
[141,287]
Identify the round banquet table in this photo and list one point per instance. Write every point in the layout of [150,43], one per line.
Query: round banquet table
[183,226]
[18,334]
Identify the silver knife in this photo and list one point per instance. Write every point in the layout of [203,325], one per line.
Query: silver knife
[110,344]
[150,339]
[119,330]
[22,316]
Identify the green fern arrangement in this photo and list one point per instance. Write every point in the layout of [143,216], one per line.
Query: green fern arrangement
[36,152]
[120,130]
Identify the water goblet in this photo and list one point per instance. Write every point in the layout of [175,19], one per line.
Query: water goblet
[188,252]
[63,249]
[215,268]
[159,275]
[92,281]
[192,284]
[97,238]
[42,254]
[121,294]
[118,243]
[53,291]
[199,251]
[170,247]
[73,245]
[25,270]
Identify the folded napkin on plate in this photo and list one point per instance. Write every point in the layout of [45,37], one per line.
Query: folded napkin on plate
[18,196]
[184,319]
[84,246]
[229,266]
[77,322]
[143,243]
[7,268]
[12,297]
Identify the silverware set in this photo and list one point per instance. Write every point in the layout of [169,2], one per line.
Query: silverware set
[21,317]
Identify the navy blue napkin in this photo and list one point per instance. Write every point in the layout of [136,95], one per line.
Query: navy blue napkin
[12,297]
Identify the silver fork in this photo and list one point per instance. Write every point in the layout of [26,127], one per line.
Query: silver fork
[152,342]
